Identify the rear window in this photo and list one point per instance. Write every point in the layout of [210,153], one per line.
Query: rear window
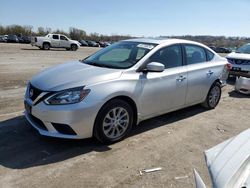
[195,54]
[210,55]
[55,37]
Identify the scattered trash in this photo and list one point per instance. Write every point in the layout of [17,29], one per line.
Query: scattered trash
[180,177]
[149,170]
[220,129]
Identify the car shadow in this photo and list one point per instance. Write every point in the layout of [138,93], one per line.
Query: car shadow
[236,94]
[37,49]
[22,147]
[231,81]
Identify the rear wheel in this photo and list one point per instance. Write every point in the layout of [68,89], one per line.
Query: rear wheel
[213,96]
[114,121]
[46,46]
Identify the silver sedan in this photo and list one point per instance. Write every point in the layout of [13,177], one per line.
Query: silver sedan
[107,93]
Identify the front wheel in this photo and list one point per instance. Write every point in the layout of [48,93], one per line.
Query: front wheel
[114,121]
[213,96]
[73,47]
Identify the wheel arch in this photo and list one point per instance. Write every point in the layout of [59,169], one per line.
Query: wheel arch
[127,99]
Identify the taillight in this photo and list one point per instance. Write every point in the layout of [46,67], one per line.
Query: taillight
[228,66]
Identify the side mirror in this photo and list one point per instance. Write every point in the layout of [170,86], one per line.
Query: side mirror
[155,67]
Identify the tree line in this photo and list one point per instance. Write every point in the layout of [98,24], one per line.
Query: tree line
[78,34]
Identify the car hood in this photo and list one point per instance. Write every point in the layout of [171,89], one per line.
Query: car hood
[229,162]
[72,74]
[234,55]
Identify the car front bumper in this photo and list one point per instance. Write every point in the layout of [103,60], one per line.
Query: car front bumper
[242,85]
[73,121]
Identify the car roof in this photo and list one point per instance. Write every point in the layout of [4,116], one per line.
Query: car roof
[162,41]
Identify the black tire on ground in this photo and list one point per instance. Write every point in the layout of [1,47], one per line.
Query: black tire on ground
[68,49]
[46,46]
[213,96]
[73,47]
[100,121]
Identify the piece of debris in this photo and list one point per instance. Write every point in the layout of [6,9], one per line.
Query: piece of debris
[149,170]
[180,177]
[220,129]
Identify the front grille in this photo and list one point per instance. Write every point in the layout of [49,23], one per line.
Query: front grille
[34,92]
[63,129]
[239,61]
[38,122]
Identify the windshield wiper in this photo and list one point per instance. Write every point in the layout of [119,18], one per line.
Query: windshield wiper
[95,64]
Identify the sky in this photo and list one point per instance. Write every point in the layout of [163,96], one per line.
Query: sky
[148,18]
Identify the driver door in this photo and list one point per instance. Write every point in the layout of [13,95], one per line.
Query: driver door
[164,91]
[64,42]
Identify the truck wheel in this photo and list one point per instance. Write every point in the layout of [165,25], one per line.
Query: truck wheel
[67,49]
[73,47]
[46,46]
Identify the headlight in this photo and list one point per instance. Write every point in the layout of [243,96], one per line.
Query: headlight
[69,96]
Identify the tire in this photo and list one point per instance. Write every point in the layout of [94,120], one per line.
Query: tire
[73,47]
[110,128]
[213,96]
[68,49]
[46,46]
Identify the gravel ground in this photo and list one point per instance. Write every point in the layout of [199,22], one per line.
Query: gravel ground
[174,141]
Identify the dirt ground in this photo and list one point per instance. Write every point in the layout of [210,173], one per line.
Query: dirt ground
[174,141]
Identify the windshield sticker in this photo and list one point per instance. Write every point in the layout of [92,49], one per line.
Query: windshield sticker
[147,46]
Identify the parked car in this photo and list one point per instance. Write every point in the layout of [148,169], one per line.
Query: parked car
[12,39]
[83,43]
[240,61]
[92,43]
[229,163]
[55,41]
[26,40]
[2,39]
[213,48]
[222,50]
[107,93]
[103,44]
[242,85]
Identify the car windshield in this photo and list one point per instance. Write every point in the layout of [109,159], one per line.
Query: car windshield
[245,49]
[121,55]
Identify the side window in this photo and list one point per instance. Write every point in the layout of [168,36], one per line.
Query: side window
[140,53]
[63,37]
[210,55]
[170,56]
[195,54]
[55,37]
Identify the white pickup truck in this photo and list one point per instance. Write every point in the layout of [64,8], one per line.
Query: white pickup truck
[55,41]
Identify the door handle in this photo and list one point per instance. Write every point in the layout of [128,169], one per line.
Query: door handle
[209,73]
[181,78]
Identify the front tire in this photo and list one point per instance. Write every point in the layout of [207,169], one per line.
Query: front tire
[213,96]
[114,121]
[73,47]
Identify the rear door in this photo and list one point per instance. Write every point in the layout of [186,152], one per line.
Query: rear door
[55,42]
[200,73]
